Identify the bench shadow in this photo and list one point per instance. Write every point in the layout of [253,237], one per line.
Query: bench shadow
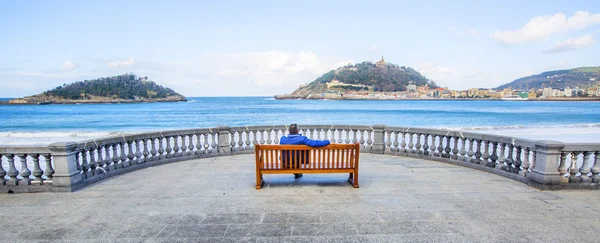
[306,182]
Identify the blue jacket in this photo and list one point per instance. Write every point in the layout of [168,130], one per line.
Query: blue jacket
[298,157]
[298,139]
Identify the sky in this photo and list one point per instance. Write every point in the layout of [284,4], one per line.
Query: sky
[263,48]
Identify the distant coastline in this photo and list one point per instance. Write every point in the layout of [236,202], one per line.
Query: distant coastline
[298,97]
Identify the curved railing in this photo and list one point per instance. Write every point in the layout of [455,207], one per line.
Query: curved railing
[70,166]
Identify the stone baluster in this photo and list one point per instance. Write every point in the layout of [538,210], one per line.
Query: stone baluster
[154,151]
[254,138]
[370,140]
[487,156]
[78,158]
[478,152]
[448,149]
[168,150]
[403,143]
[395,147]
[249,145]
[145,152]
[123,153]
[525,164]
[595,169]
[107,158]
[462,151]
[517,161]
[388,143]
[240,141]
[562,166]
[411,145]
[93,162]
[49,169]
[130,154]
[206,144]
[354,131]
[509,158]
[454,148]
[440,146]
[101,161]
[573,168]
[426,144]
[85,166]
[494,156]
[198,144]
[116,157]
[176,146]
[486,152]
[138,152]
[25,172]
[433,147]
[262,136]
[184,146]
[12,170]
[585,167]
[470,153]
[319,133]
[362,139]
[418,145]
[232,143]
[347,141]
[269,140]
[501,159]
[38,172]
[213,144]
[2,172]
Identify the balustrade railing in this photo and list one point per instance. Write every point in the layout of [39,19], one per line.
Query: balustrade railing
[70,166]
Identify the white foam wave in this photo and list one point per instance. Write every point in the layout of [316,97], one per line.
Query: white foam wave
[269,98]
[45,138]
[483,128]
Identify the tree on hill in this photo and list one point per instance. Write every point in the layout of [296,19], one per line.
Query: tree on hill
[126,86]
[387,79]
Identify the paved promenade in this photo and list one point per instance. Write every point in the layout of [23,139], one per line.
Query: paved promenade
[214,200]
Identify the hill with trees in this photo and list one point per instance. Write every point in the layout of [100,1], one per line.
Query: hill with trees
[558,79]
[116,89]
[378,77]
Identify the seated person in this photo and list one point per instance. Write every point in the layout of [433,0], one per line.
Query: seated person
[298,139]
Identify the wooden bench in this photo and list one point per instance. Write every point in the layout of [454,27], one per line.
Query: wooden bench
[290,159]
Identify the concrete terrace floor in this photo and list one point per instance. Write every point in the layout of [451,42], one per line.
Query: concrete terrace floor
[214,200]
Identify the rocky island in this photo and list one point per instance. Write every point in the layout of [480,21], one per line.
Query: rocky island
[126,88]
[364,80]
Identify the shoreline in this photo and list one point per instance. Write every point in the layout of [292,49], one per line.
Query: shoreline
[278,97]
[74,102]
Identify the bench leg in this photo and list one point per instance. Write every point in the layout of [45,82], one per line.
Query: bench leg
[259,180]
[353,179]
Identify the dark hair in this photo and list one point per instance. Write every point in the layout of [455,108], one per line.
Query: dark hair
[293,128]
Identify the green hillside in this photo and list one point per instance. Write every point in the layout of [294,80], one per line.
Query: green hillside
[559,79]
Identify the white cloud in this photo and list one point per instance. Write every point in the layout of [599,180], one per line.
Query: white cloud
[121,63]
[69,65]
[571,44]
[373,49]
[541,27]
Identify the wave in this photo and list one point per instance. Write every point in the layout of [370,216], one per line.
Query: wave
[514,127]
[270,98]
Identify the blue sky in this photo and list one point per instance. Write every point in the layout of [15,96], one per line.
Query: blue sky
[249,48]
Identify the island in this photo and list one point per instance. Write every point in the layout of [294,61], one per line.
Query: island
[126,88]
[364,80]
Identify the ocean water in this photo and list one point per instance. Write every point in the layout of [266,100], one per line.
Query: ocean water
[41,124]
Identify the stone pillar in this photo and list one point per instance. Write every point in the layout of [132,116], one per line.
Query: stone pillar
[378,139]
[224,147]
[546,163]
[64,156]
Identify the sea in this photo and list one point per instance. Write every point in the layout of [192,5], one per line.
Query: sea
[565,121]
